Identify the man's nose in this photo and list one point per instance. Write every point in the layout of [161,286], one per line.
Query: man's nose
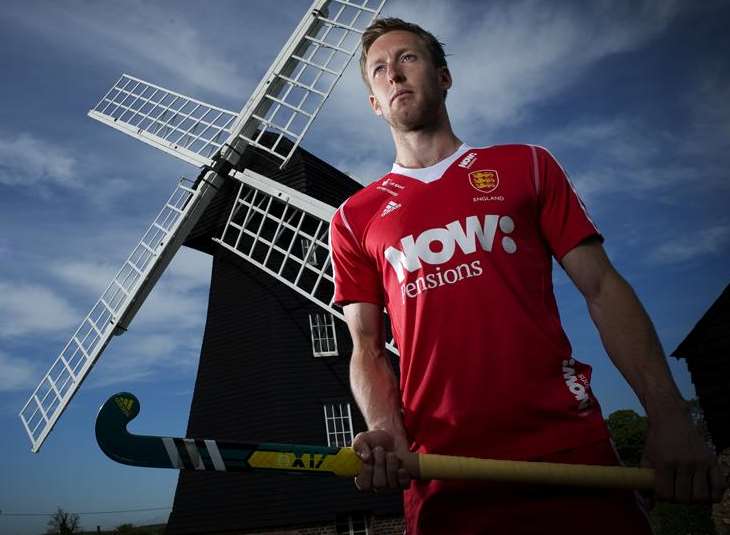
[395,72]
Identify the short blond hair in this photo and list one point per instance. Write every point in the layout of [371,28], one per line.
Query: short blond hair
[382,26]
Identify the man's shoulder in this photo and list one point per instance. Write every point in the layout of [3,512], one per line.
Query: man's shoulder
[511,152]
[507,148]
[363,202]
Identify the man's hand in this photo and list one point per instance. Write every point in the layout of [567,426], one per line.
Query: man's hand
[686,470]
[381,465]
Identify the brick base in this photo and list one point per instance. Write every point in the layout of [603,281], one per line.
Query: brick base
[376,526]
[721,511]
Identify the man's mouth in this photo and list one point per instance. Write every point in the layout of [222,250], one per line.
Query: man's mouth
[399,94]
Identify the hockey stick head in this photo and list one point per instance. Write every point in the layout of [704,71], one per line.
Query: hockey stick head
[116,413]
[111,427]
[199,454]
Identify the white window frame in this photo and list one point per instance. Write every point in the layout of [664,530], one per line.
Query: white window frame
[351,528]
[324,334]
[338,424]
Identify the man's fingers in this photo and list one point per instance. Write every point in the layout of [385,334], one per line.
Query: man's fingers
[380,464]
[363,481]
[362,448]
[380,480]
[392,463]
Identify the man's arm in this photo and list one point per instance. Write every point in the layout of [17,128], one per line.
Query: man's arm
[376,391]
[686,470]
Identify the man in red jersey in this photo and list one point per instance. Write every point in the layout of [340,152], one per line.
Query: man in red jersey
[457,243]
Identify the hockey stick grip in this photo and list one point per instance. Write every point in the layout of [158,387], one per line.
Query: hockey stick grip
[433,466]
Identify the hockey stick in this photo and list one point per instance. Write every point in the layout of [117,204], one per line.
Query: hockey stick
[195,454]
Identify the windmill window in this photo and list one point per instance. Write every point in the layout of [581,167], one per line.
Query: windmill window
[324,337]
[338,424]
[353,524]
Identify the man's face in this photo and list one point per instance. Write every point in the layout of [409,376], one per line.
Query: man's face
[406,88]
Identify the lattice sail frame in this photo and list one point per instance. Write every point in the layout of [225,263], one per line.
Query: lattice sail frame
[116,307]
[266,226]
[182,126]
[302,77]
[309,65]
[280,110]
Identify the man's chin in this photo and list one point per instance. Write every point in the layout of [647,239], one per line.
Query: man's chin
[406,123]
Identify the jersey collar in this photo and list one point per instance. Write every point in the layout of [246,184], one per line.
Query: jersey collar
[432,172]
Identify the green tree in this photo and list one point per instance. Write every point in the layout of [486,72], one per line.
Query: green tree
[628,430]
[64,523]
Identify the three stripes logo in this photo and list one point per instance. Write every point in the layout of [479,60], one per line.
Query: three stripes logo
[191,454]
[391,206]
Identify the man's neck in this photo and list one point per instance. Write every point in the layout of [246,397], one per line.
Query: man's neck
[425,147]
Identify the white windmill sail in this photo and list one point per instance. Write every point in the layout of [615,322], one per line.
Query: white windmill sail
[116,307]
[187,128]
[284,105]
[285,233]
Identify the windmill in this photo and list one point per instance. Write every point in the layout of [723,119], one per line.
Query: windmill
[270,230]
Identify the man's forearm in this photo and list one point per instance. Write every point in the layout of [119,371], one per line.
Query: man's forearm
[633,345]
[376,391]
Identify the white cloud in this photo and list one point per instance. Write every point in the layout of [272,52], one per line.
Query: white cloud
[143,35]
[518,53]
[710,120]
[191,269]
[27,160]
[109,190]
[167,332]
[709,241]
[155,346]
[504,57]
[91,277]
[144,357]
[16,374]
[188,271]
[28,309]
[618,154]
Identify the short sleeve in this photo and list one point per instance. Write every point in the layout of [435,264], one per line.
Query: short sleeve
[356,276]
[564,220]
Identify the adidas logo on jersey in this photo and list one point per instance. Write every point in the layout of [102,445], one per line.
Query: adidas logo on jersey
[391,206]
[468,160]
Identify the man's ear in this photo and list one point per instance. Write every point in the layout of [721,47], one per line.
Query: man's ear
[445,79]
[375,105]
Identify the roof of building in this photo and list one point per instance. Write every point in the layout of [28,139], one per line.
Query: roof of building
[304,172]
[707,352]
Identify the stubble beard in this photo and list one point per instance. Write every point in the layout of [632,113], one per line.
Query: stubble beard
[421,116]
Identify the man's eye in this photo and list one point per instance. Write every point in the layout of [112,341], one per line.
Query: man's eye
[408,57]
[377,69]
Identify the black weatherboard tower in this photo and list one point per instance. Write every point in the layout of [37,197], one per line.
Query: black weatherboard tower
[273,364]
[273,367]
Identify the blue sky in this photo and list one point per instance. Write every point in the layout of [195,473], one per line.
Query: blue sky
[631,96]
